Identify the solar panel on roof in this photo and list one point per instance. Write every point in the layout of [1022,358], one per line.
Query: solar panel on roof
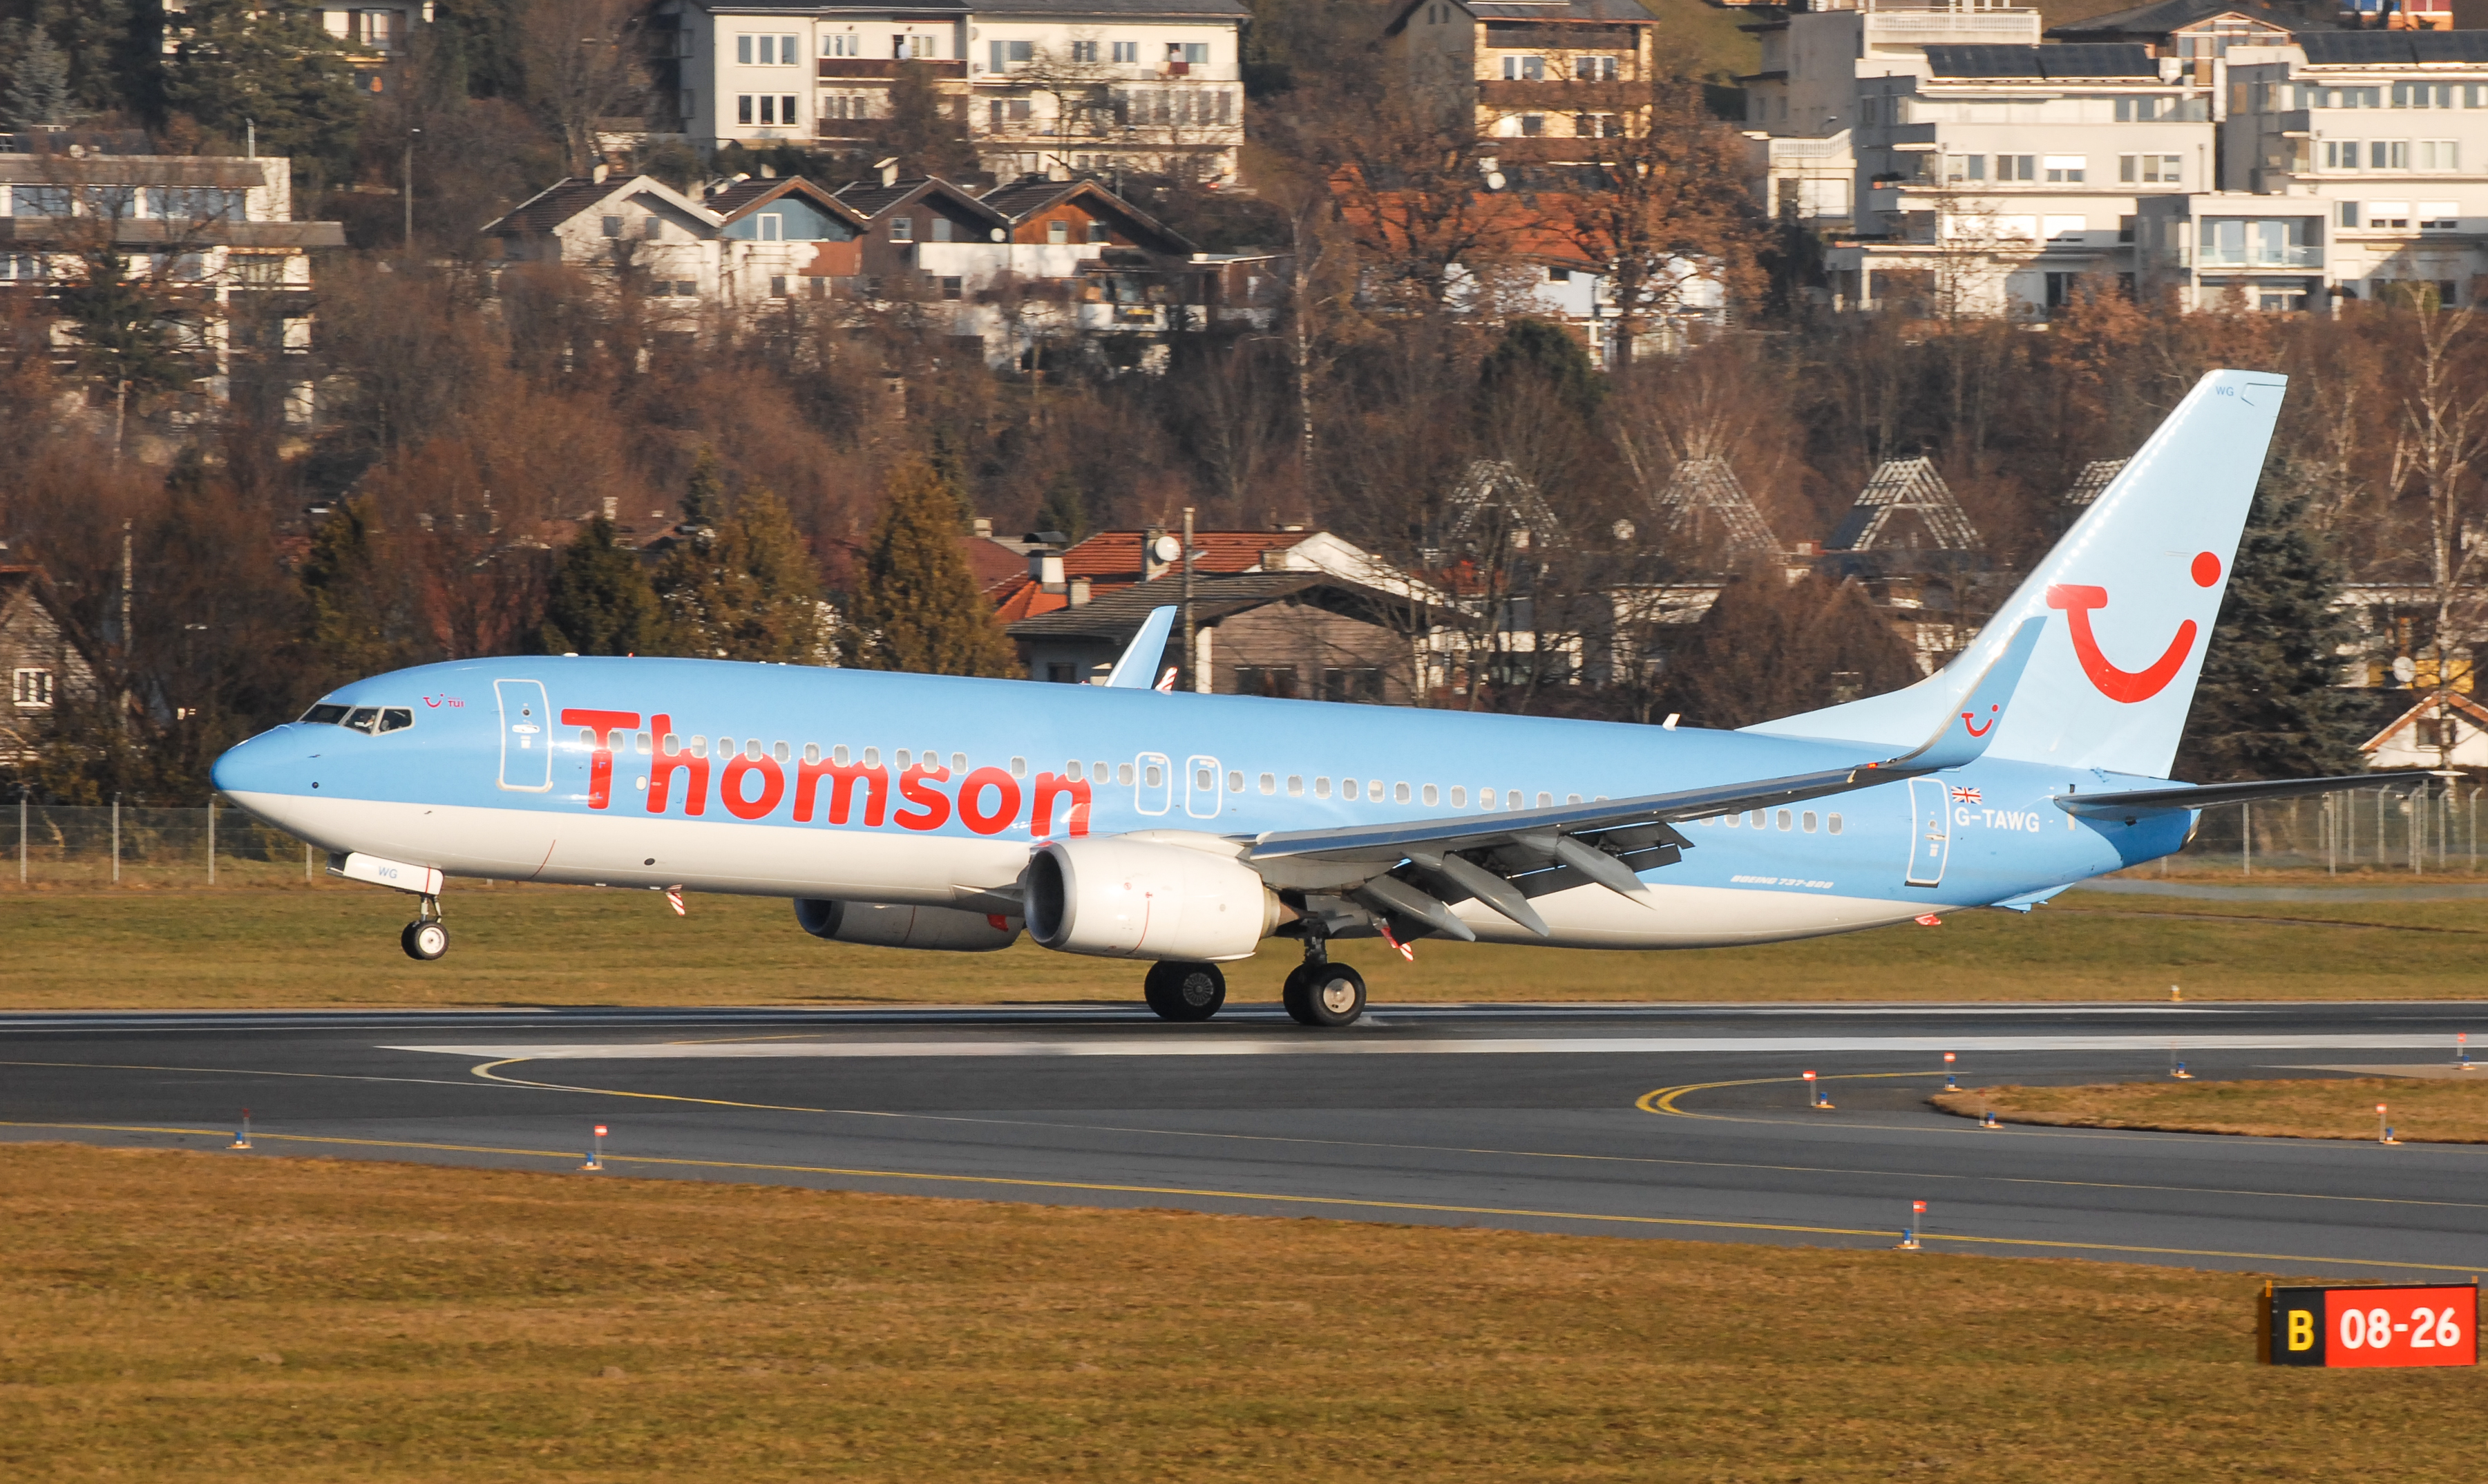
[2448,46]
[2097,59]
[2358,49]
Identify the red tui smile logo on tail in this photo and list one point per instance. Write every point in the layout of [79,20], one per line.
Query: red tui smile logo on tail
[2123,686]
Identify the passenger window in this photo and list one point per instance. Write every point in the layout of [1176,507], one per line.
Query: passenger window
[1572,798]
[1235,783]
[1759,818]
[1546,801]
[782,751]
[1295,785]
[1269,783]
[752,749]
[1835,824]
[1019,768]
[1485,799]
[1071,769]
[838,754]
[1399,793]
[904,758]
[1734,819]
[1123,773]
[1348,788]
[1807,822]
[639,744]
[1373,791]
[699,746]
[872,757]
[1156,777]
[587,736]
[671,744]
[959,764]
[1097,772]
[1432,796]
[1783,819]
[812,753]
[1459,797]
[396,718]
[1321,788]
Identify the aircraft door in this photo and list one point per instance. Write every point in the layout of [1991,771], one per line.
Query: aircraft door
[527,736]
[1930,832]
[1201,795]
[1150,784]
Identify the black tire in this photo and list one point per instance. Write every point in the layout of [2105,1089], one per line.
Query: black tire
[1325,995]
[1186,992]
[424,942]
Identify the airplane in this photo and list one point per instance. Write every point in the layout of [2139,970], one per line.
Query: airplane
[948,813]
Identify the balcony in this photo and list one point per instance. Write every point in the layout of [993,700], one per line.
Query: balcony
[2264,243]
[883,69]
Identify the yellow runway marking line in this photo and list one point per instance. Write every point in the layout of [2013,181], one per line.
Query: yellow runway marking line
[1266,1198]
[1662,1100]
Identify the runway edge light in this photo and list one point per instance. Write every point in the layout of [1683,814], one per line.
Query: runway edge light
[2369,1326]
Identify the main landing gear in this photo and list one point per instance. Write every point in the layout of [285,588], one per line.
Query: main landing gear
[1319,993]
[424,937]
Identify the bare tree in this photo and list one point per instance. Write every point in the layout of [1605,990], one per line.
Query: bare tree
[585,63]
[2442,429]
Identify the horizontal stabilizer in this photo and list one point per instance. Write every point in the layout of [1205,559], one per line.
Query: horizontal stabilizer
[1139,665]
[2208,795]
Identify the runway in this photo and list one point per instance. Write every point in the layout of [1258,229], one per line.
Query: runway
[1670,1121]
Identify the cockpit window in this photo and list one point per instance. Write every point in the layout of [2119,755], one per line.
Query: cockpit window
[370,721]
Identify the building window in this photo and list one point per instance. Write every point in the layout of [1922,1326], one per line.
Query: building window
[916,48]
[2148,169]
[2342,154]
[952,288]
[2440,155]
[777,286]
[2277,241]
[1127,52]
[2347,214]
[772,226]
[1964,167]
[654,228]
[1594,68]
[1097,232]
[1084,52]
[1007,55]
[1595,126]
[903,229]
[2389,155]
[2440,216]
[2066,168]
[1195,54]
[257,271]
[844,44]
[2017,167]
[1057,232]
[686,288]
[1558,275]
[743,50]
[1532,126]
[2423,95]
[613,226]
[1524,68]
[32,690]
[743,108]
[2387,213]
[942,228]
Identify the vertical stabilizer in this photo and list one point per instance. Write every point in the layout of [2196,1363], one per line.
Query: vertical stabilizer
[2132,591]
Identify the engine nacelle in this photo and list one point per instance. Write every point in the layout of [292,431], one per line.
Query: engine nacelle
[1145,899]
[946,929]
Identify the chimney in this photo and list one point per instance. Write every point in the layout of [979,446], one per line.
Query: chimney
[768,171]
[1079,592]
[599,173]
[889,169]
[612,505]
[983,525]
[1049,571]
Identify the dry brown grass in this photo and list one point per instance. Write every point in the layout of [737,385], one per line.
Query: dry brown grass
[211,1316]
[336,944]
[2423,1111]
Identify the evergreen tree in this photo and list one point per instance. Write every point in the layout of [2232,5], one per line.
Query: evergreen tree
[740,584]
[917,608]
[602,602]
[38,85]
[1534,349]
[350,630]
[921,129]
[1066,507]
[268,64]
[2270,705]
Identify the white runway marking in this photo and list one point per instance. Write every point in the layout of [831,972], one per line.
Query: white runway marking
[1353,1044]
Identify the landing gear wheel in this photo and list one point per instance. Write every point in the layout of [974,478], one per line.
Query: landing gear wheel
[1186,992]
[1324,995]
[425,940]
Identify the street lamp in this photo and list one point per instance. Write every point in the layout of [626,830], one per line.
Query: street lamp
[406,189]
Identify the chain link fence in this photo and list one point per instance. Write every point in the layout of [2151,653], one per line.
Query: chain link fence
[2432,829]
[135,846]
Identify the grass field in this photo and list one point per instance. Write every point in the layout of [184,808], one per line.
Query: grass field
[337,944]
[2423,1111]
[211,1316]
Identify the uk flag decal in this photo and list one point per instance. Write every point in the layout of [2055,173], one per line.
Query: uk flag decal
[1965,795]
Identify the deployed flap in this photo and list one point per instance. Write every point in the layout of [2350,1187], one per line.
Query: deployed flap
[2207,795]
[1139,665]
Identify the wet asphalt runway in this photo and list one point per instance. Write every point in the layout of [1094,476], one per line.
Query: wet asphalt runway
[1667,1121]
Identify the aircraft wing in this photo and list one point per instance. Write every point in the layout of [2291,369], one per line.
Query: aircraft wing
[1504,859]
[2131,803]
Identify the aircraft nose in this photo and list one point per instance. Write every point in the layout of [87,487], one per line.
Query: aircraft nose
[253,766]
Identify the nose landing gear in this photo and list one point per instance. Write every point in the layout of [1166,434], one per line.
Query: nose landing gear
[425,939]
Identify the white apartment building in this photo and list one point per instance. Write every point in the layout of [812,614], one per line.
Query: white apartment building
[1992,181]
[1801,109]
[1043,87]
[1538,74]
[2357,163]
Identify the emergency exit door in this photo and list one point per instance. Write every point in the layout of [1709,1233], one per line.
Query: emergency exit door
[1930,832]
[527,736]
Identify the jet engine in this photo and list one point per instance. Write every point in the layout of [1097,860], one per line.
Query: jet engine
[883,926]
[1145,899]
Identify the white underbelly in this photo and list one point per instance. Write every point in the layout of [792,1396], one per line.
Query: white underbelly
[1687,917]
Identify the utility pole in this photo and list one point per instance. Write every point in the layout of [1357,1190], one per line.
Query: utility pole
[127,644]
[1191,668]
[406,189]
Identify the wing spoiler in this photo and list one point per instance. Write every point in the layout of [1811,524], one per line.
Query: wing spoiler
[2133,802]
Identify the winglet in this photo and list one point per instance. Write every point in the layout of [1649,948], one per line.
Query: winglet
[1967,732]
[1140,663]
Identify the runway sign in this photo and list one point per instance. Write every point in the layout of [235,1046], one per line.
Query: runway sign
[2436,1323]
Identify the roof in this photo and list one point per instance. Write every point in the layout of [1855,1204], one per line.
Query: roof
[738,197]
[574,196]
[2094,59]
[2166,15]
[1116,616]
[1131,10]
[1022,199]
[1551,13]
[2392,48]
[233,172]
[869,199]
[2434,703]
[993,563]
